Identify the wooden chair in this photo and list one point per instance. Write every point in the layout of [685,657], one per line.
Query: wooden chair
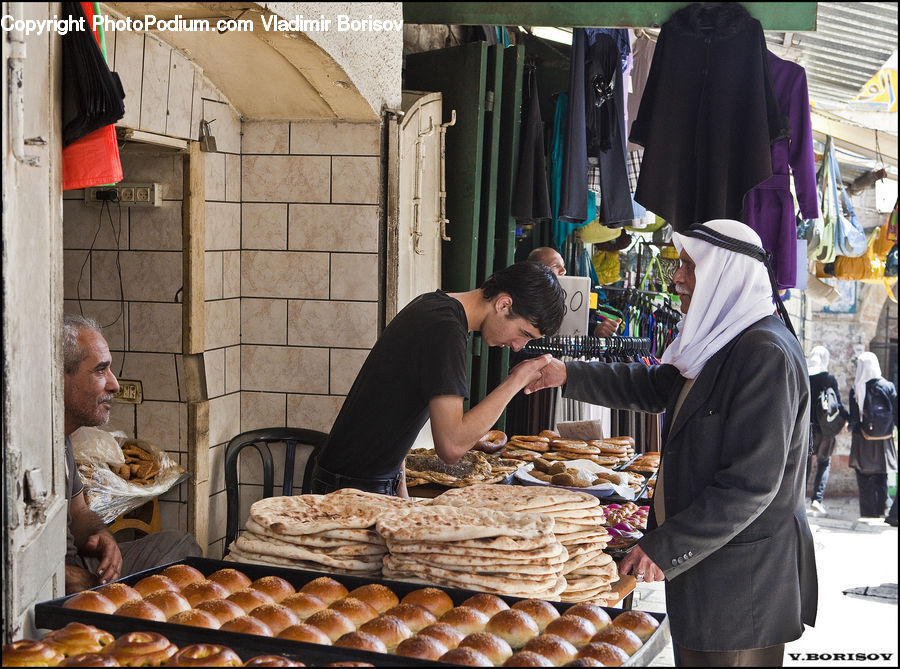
[291,437]
[144,518]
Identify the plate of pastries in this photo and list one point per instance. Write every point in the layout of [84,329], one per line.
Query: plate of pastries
[549,445]
[425,623]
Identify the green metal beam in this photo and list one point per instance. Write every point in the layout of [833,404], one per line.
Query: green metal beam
[781,16]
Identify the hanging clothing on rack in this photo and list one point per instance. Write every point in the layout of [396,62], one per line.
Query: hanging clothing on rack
[561,228]
[573,200]
[642,56]
[532,199]
[708,116]
[605,119]
[769,207]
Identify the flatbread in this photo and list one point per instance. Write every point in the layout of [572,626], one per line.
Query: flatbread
[238,555]
[531,573]
[253,544]
[481,564]
[310,514]
[553,550]
[450,523]
[325,545]
[516,498]
[546,588]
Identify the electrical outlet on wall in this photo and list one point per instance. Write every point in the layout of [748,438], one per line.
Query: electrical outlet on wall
[127,194]
[130,392]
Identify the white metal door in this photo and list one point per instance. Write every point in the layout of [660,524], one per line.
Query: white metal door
[418,206]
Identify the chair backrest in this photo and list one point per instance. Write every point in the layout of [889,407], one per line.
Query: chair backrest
[291,437]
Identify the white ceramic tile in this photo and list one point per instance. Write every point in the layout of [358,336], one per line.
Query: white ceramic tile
[76,275]
[155,326]
[286,178]
[264,226]
[285,274]
[155,85]
[223,323]
[218,512]
[260,410]
[332,324]
[232,369]
[231,274]
[214,167]
[130,68]
[156,372]
[264,321]
[232,177]
[354,276]
[316,412]
[181,93]
[284,369]
[88,225]
[213,271]
[264,137]
[158,423]
[152,276]
[156,228]
[355,180]
[214,364]
[223,226]
[336,138]
[216,469]
[333,227]
[224,418]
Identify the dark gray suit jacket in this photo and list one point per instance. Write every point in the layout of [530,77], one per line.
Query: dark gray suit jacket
[735,547]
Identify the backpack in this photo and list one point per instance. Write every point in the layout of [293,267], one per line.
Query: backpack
[878,414]
[828,413]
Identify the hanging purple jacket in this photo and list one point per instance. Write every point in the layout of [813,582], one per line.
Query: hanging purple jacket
[769,207]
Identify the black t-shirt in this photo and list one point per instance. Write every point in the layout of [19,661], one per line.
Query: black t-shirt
[421,354]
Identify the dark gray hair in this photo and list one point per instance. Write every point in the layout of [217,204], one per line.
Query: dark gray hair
[73,324]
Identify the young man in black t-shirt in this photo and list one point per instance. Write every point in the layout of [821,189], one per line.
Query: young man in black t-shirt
[417,370]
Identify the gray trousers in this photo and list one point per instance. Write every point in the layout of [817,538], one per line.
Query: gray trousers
[150,551]
[773,656]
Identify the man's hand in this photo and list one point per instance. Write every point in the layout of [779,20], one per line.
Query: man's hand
[529,371]
[637,562]
[607,327]
[550,376]
[78,579]
[104,547]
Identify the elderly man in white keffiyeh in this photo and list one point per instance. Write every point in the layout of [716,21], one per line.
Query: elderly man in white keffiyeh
[728,532]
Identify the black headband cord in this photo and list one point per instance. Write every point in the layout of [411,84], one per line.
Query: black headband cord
[710,236]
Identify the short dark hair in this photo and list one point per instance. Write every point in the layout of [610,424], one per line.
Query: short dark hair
[536,294]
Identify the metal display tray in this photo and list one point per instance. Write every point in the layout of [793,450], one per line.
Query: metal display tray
[52,615]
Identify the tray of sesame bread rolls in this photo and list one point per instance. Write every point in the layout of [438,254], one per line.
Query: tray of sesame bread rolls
[326,617]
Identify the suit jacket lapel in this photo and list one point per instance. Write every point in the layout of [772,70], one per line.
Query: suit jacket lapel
[699,394]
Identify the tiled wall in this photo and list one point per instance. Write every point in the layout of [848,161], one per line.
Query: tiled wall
[291,269]
[309,278]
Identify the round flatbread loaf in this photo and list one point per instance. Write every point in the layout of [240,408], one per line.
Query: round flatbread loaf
[450,523]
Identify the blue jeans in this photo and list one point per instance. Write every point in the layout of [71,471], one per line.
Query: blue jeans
[823,466]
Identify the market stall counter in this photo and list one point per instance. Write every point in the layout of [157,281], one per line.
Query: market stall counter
[481,626]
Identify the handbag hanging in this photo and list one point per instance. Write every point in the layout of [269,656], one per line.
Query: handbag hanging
[849,237]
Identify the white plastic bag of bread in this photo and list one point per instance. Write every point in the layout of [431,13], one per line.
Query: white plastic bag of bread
[121,473]
[583,474]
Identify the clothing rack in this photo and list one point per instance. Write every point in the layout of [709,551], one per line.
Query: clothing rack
[589,347]
[529,414]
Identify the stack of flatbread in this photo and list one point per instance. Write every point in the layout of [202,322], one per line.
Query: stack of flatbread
[578,526]
[333,532]
[500,552]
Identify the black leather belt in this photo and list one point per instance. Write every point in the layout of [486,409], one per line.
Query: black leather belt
[324,482]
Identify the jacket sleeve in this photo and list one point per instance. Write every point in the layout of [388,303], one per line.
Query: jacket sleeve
[617,385]
[749,441]
[801,158]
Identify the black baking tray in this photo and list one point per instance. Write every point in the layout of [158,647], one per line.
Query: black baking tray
[52,615]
